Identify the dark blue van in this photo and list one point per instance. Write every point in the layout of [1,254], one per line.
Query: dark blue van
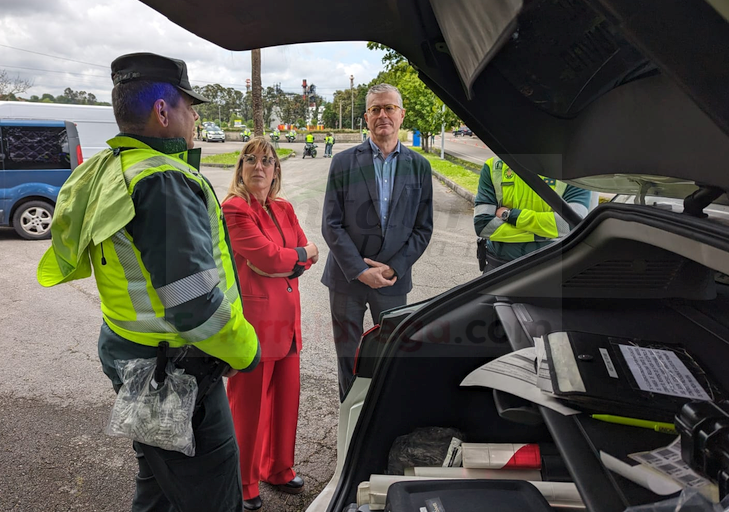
[36,157]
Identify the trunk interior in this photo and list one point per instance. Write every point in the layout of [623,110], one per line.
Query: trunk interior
[624,283]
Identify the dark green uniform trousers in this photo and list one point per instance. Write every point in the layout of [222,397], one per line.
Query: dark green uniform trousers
[170,481]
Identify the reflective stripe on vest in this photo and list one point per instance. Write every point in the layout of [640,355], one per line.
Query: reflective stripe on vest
[143,319]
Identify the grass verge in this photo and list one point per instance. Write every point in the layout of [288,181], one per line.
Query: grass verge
[473,167]
[232,158]
[465,178]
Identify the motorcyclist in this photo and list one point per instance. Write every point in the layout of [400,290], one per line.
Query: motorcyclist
[328,144]
[309,144]
[246,135]
[275,136]
[291,136]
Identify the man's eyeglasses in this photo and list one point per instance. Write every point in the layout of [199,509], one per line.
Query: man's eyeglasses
[266,161]
[389,109]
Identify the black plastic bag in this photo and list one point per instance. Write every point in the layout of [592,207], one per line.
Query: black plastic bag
[427,446]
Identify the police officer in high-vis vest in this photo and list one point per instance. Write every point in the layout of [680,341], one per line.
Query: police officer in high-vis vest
[511,220]
[147,222]
[328,145]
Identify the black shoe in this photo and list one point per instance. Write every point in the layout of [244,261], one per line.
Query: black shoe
[295,486]
[253,503]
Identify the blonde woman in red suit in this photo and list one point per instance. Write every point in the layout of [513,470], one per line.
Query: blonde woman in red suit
[271,252]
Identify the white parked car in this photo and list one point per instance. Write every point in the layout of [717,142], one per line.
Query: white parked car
[213,133]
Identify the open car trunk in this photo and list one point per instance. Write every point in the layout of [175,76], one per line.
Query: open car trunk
[627,272]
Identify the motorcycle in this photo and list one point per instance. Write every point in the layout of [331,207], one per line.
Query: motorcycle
[290,138]
[246,138]
[309,149]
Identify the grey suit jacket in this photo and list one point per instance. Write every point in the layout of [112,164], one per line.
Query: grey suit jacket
[351,222]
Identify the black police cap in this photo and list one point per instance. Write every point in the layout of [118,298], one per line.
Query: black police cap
[155,68]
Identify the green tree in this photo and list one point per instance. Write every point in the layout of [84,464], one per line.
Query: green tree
[270,96]
[391,57]
[224,102]
[330,115]
[74,97]
[425,110]
[290,106]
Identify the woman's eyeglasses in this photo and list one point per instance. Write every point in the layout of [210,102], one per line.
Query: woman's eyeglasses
[389,109]
[266,161]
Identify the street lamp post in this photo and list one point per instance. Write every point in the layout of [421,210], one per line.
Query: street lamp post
[351,93]
[442,134]
[220,123]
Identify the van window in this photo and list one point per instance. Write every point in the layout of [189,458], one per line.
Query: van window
[36,147]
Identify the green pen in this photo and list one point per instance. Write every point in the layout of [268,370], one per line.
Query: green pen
[665,428]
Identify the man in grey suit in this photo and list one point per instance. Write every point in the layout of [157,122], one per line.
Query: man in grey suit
[377,222]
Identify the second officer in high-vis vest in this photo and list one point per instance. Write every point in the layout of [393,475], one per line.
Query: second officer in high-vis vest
[149,225]
[511,220]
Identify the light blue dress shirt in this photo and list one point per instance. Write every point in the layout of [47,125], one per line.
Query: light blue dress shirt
[384,176]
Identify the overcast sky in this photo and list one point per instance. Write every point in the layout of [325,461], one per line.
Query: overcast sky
[37,35]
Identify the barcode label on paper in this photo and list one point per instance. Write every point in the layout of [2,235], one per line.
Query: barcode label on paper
[668,461]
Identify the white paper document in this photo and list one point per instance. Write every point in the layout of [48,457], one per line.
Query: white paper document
[641,475]
[661,371]
[516,373]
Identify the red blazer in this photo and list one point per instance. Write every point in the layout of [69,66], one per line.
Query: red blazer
[271,304]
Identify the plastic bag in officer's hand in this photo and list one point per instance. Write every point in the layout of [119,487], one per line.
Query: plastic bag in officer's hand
[154,414]
[427,446]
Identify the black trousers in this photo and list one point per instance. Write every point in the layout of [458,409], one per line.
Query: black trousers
[348,312]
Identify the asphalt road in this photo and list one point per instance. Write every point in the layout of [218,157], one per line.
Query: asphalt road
[466,148]
[55,401]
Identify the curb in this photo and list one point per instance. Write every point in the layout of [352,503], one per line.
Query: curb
[230,166]
[465,194]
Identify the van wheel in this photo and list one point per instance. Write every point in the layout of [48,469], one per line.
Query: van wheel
[32,220]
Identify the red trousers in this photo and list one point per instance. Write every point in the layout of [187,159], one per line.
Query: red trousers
[265,408]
